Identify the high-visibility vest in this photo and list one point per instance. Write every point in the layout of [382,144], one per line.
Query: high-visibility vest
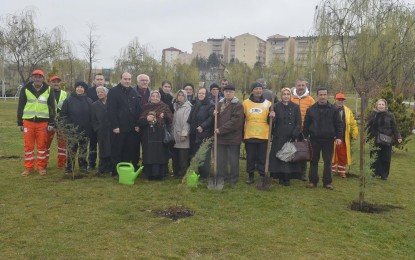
[62,98]
[256,119]
[36,107]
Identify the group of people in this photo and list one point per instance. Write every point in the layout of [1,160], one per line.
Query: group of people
[127,121]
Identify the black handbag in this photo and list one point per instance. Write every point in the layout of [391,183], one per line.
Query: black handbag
[383,139]
[168,138]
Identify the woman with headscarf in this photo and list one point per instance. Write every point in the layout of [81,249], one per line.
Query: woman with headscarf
[155,116]
[382,121]
[286,127]
[181,128]
[101,125]
[76,115]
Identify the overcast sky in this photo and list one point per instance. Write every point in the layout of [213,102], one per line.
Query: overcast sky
[161,24]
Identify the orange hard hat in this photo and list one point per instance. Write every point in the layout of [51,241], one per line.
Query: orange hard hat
[340,96]
[54,77]
[38,72]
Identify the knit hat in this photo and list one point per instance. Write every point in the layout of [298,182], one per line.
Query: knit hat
[256,85]
[82,84]
[229,87]
[214,85]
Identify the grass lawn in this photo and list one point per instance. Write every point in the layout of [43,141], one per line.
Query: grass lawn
[48,217]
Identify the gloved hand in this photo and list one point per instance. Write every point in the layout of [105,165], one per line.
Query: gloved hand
[20,128]
[50,128]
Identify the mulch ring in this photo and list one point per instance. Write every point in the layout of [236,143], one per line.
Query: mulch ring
[372,207]
[6,157]
[175,213]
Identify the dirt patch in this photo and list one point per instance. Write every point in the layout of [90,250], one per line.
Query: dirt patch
[372,207]
[175,213]
[7,157]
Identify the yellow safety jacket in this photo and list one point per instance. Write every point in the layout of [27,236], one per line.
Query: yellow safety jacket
[62,98]
[256,119]
[36,107]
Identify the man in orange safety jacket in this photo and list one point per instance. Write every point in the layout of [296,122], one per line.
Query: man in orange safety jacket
[35,117]
[60,96]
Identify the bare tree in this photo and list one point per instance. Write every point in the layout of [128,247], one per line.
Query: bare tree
[90,49]
[27,47]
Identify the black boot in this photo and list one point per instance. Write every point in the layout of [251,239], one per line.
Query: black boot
[250,179]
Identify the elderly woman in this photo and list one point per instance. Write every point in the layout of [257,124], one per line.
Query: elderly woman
[286,127]
[201,127]
[155,116]
[182,108]
[382,121]
[101,125]
[76,115]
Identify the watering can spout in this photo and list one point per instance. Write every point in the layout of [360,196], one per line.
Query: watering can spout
[140,170]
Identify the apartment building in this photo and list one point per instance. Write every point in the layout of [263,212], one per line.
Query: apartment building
[170,55]
[250,49]
[201,49]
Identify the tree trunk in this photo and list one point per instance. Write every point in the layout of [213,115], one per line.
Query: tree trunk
[362,177]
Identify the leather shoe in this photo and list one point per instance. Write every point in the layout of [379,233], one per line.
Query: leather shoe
[250,181]
[328,186]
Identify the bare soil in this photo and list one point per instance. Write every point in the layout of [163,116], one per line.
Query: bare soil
[175,213]
[372,207]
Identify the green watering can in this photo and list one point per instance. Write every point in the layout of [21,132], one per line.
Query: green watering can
[192,180]
[126,173]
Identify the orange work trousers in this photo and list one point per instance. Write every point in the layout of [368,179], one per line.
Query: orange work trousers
[340,165]
[61,148]
[35,133]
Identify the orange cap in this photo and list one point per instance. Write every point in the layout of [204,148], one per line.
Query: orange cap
[54,77]
[340,96]
[38,72]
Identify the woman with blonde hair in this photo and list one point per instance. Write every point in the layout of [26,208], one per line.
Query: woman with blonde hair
[382,121]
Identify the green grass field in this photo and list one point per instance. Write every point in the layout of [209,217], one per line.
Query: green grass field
[48,217]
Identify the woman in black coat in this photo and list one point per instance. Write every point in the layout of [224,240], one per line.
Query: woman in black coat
[201,127]
[76,115]
[101,125]
[154,117]
[165,93]
[382,121]
[286,127]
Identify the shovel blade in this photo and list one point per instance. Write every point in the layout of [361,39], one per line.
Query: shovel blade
[264,183]
[215,184]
